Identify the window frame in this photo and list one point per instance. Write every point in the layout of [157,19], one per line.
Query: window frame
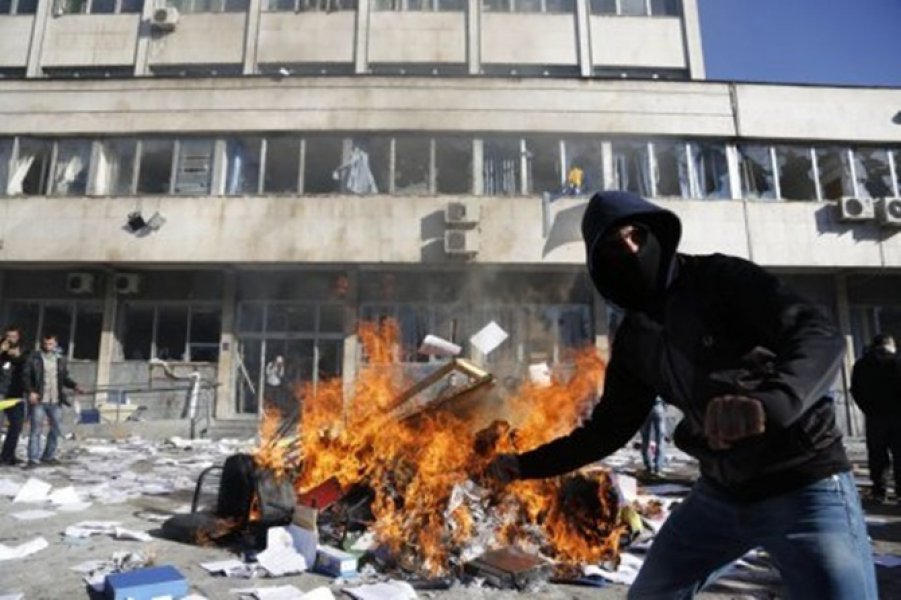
[155,307]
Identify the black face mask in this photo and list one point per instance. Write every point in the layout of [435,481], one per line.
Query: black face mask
[631,281]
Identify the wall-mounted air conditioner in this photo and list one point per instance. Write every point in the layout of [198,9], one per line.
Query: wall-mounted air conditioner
[127,283]
[888,211]
[856,209]
[461,242]
[460,214]
[79,283]
[164,18]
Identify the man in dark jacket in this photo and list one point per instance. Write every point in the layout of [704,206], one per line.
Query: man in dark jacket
[12,360]
[750,364]
[876,386]
[45,378]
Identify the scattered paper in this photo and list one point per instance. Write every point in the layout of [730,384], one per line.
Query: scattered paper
[120,533]
[281,592]
[436,346]
[628,487]
[9,488]
[488,338]
[32,515]
[873,520]
[389,590]
[320,593]
[89,566]
[626,573]
[86,529]
[887,560]
[225,567]
[64,496]
[13,596]
[34,490]
[280,556]
[74,507]
[22,550]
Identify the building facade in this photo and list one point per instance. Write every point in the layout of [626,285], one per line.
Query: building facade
[214,183]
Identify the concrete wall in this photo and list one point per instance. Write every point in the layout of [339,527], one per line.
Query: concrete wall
[382,229]
[373,103]
[414,37]
[15,38]
[818,113]
[306,37]
[637,42]
[523,38]
[201,38]
[90,40]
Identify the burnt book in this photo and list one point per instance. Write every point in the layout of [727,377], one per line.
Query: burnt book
[509,568]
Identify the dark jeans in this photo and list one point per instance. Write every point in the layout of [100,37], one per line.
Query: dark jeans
[654,430]
[40,412]
[884,438]
[815,535]
[15,415]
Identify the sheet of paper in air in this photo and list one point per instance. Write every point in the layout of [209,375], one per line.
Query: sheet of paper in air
[34,490]
[488,338]
[540,374]
[388,590]
[32,515]
[9,488]
[436,346]
[22,550]
[280,556]
[887,560]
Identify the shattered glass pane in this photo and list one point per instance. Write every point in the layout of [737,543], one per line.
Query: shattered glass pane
[172,333]
[156,166]
[321,156]
[70,177]
[31,171]
[585,157]
[411,165]
[756,171]
[631,169]
[543,164]
[874,178]
[136,332]
[671,176]
[835,173]
[711,170]
[453,165]
[86,345]
[242,174]
[282,165]
[116,167]
[795,173]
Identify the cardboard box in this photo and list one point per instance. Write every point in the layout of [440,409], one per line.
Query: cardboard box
[335,562]
[146,584]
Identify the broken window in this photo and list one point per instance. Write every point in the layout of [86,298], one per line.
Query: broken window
[6,156]
[584,166]
[171,336]
[103,7]
[194,172]
[669,8]
[206,6]
[115,169]
[796,180]
[155,172]
[412,165]
[321,156]
[543,172]
[70,7]
[131,6]
[86,338]
[711,170]
[26,7]
[671,169]
[137,332]
[311,5]
[603,7]
[365,169]
[242,174]
[282,5]
[631,168]
[70,176]
[835,173]
[30,171]
[203,334]
[501,167]
[635,8]
[756,169]
[453,165]
[282,165]
[57,319]
[874,176]
[496,5]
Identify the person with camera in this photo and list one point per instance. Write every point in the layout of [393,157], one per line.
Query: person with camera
[12,361]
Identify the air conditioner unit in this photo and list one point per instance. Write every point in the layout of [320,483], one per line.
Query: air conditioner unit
[459,242]
[888,210]
[458,213]
[164,18]
[127,283]
[79,283]
[857,209]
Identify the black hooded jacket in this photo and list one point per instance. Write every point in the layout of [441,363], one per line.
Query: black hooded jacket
[876,383]
[719,325]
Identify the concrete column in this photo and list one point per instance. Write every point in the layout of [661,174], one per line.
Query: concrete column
[474,36]
[41,16]
[349,359]
[583,36]
[607,164]
[252,36]
[478,157]
[361,54]
[691,34]
[108,342]
[142,52]
[852,415]
[225,393]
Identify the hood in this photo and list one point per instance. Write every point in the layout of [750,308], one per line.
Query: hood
[607,210]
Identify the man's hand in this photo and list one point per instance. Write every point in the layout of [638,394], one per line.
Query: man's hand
[34,398]
[502,469]
[732,418]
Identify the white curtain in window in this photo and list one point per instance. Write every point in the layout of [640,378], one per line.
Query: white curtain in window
[70,173]
[355,175]
[711,173]
[19,171]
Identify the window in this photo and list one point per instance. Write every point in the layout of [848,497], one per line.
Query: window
[95,7]
[669,8]
[796,180]
[420,5]
[321,156]
[631,167]
[88,326]
[155,172]
[115,169]
[282,165]
[636,8]
[711,170]
[633,8]
[453,166]
[30,172]
[756,170]
[242,158]
[71,6]
[412,165]
[77,325]
[603,7]
[501,167]
[896,154]
[366,169]
[583,159]
[208,6]
[194,173]
[177,332]
[6,156]
[671,176]
[543,166]
[873,174]
[530,6]
[834,169]
[18,7]
[311,5]
[70,174]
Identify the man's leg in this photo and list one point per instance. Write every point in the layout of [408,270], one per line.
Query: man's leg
[15,415]
[35,424]
[895,449]
[877,453]
[646,443]
[54,415]
[659,438]
[817,538]
[699,539]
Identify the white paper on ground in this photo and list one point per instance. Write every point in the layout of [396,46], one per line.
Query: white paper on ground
[121,533]
[887,560]
[280,556]
[9,488]
[389,590]
[13,596]
[280,592]
[22,550]
[488,338]
[34,490]
[304,541]
[31,515]
[320,593]
[85,529]
[625,574]
[64,496]
[75,507]
[89,566]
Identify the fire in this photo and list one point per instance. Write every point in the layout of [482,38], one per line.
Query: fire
[414,466]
